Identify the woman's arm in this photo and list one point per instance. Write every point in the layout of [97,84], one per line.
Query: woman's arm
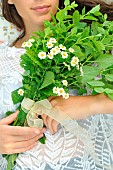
[79,107]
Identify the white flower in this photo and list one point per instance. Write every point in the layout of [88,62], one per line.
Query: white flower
[50,56]
[58,49]
[52,40]
[65,83]
[31,40]
[42,55]
[49,45]
[74,61]
[64,54]
[62,47]
[23,45]
[66,95]
[28,44]
[71,50]
[21,92]
[55,90]
[68,66]
[61,91]
[54,51]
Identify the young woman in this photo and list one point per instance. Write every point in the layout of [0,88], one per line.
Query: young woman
[63,150]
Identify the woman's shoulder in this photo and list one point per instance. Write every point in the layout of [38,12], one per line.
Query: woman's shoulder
[8,32]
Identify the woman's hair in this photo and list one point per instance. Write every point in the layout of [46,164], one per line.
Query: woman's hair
[104,6]
[10,14]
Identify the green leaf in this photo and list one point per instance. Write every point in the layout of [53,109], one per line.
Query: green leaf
[17,98]
[94,9]
[99,45]
[104,61]
[9,113]
[66,2]
[90,18]
[89,73]
[109,77]
[81,91]
[48,79]
[76,18]
[107,90]
[26,73]
[11,160]
[61,15]
[22,117]
[96,83]
[99,89]
[42,140]
[110,96]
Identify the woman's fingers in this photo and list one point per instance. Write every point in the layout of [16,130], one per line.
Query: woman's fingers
[13,147]
[44,117]
[9,119]
[9,142]
[55,125]
[21,133]
[50,123]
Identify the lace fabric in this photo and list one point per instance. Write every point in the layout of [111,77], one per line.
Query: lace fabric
[64,150]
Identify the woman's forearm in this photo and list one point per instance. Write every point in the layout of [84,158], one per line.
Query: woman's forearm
[102,104]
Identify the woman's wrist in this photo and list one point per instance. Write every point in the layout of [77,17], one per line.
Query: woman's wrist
[102,104]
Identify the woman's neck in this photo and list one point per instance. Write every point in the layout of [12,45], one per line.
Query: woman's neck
[29,31]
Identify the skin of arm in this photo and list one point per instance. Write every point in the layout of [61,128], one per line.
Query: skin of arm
[79,107]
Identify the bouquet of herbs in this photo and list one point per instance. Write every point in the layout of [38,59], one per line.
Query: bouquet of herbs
[69,53]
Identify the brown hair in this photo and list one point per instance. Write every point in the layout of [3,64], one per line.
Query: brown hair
[10,14]
[104,7]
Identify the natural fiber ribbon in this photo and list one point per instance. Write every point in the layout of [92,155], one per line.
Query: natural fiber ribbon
[34,109]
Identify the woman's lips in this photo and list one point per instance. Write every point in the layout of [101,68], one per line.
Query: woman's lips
[41,9]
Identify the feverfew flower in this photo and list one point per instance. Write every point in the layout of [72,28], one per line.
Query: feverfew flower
[61,91]
[64,54]
[62,47]
[54,51]
[49,45]
[21,92]
[55,90]
[74,61]
[31,40]
[28,44]
[52,40]
[23,44]
[58,49]
[42,55]
[66,95]
[71,50]
[65,83]
[50,56]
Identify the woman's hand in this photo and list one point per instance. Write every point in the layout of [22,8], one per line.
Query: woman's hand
[77,107]
[16,139]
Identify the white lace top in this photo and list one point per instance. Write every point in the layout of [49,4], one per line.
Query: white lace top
[62,151]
